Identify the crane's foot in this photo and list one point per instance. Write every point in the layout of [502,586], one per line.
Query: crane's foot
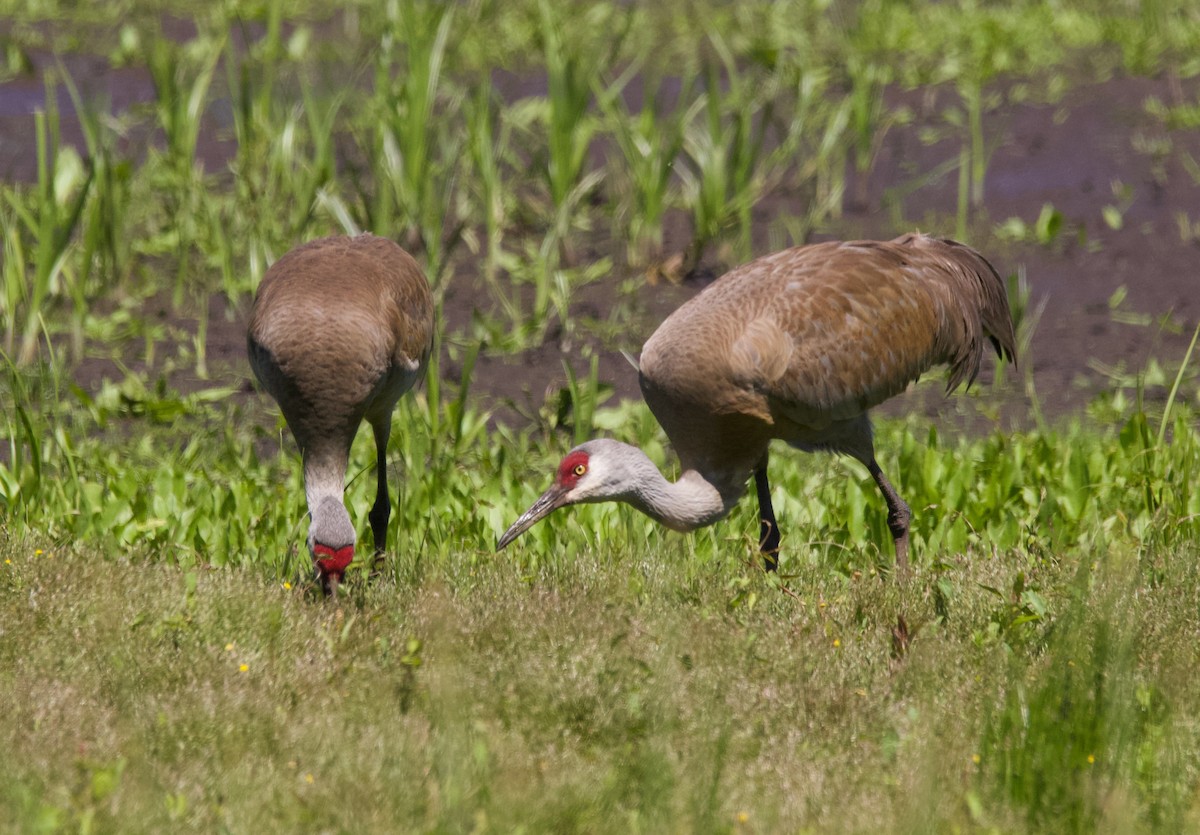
[377,564]
[381,511]
[768,545]
[899,515]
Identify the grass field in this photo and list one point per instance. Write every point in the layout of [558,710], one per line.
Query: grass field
[165,661]
[630,690]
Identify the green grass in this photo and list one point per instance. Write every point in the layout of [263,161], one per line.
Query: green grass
[629,688]
[165,662]
[134,464]
[394,131]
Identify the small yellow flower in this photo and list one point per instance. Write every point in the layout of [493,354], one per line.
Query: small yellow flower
[1091,759]
[243,668]
[742,817]
[37,552]
[287,586]
[975,758]
[8,562]
[836,643]
[308,778]
[229,647]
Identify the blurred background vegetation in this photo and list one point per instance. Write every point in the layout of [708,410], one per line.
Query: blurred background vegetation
[566,173]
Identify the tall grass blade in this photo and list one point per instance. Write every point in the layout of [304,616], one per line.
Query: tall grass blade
[1169,406]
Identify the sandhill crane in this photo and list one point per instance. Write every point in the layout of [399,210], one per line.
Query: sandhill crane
[797,345]
[341,328]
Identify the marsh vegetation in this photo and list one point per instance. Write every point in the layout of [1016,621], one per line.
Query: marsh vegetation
[565,173]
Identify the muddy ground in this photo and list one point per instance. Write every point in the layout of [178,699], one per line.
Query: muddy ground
[1068,154]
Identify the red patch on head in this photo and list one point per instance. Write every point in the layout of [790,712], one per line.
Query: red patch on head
[572,468]
[333,562]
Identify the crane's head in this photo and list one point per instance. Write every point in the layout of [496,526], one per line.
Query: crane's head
[331,542]
[591,472]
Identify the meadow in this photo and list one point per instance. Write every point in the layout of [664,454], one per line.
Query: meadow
[566,173]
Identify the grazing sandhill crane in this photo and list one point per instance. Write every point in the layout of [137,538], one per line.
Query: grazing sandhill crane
[341,328]
[797,345]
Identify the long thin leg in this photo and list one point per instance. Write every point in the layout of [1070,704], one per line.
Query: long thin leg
[381,511]
[768,531]
[899,514]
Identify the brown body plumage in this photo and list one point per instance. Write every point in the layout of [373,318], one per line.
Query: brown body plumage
[341,328]
[799,345]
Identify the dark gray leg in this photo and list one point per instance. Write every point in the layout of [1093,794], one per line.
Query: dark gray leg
[381,511]
[768,531]
[899,514]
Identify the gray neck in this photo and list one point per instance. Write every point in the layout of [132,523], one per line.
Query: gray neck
[684,505]
[324,478]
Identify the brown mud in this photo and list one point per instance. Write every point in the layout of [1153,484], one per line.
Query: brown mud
[1070,154]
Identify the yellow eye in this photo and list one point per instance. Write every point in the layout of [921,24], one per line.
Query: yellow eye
[579,469]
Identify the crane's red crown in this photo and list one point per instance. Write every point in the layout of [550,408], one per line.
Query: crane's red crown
[333,561]
[572,468]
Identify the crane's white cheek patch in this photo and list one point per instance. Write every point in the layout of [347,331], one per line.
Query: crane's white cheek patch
[591,484]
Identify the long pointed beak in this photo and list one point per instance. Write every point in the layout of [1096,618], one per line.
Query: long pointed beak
[329,583]
[547,503]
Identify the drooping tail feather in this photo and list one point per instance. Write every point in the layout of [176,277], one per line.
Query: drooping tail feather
[982,300]
[996,313]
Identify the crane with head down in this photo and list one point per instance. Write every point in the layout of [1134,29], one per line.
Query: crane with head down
[341,328]
[798,345]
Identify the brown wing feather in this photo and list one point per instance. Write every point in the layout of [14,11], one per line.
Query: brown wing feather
[824,332]
[408,303]
[970,280]
[336,323]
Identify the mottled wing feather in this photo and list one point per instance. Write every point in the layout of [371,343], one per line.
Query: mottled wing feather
[857,343]
[762,354]
[822,333]
[407,298]
[357,311]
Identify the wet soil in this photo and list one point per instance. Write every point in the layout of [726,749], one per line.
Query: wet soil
[1076,154]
